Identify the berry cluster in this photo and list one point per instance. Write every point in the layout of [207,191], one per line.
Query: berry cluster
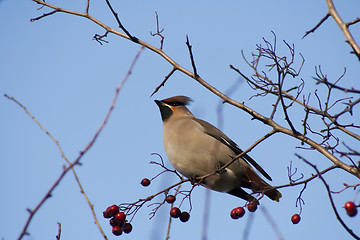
[351,208]
[117,220]
[175,212]
[239,212]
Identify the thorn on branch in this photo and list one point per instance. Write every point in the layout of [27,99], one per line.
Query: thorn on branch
[353,22]
[132,38]
[191,57]
[44,15]
[317,25]
[164,81]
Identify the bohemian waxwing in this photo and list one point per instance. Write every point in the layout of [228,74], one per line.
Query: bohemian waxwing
[196,148]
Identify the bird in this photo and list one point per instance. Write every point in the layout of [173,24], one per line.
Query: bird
[195,148]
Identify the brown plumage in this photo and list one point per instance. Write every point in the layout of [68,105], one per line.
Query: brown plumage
[196,148]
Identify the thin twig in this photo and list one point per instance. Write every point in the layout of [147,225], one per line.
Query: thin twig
[317,25]
[353,22]
[77,160]
[158,31]
[163,82]
[59,231]
[66,159]
[191,57]
[87,7]
[134,39]
[330,198]
[170,218]
[44,15]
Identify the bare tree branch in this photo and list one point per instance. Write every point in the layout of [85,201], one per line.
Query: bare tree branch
[344,27]
[330,198]
[77,160]
[285,97]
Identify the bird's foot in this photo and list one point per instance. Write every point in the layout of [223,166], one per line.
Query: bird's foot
[220,170]
[194,179]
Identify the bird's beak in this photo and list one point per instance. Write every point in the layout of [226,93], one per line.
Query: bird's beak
[159,103]
[165,110]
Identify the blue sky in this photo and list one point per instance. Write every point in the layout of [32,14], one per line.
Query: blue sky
[67,81]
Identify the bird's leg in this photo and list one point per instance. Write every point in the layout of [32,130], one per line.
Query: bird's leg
[194,179]
[219,170]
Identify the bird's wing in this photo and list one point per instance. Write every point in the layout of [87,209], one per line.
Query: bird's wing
[220,136]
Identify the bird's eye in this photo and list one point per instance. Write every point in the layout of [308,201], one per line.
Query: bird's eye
[175,104]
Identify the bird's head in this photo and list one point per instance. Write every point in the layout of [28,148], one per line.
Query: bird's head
[173,106]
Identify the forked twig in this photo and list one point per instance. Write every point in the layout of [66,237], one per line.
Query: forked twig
[77,160]
[330,197]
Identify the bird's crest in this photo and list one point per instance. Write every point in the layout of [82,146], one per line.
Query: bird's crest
[178,100]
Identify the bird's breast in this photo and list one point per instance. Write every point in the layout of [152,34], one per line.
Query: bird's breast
[194,153]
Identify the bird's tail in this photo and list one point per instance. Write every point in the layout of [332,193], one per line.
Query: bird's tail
[273,194]
[238,192]
[256,184]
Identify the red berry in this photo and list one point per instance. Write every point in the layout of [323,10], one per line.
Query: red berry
[111,211]
[175,212]
[120,217]
[350,208]
[233,214]
[116,230]
[114,209]
[352,213]
[295,219]
[237,213]
[113,222]
[184,216]
[127,227]
[107,214]
[252,207]
[145,182]
[240,211]
[170,199]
